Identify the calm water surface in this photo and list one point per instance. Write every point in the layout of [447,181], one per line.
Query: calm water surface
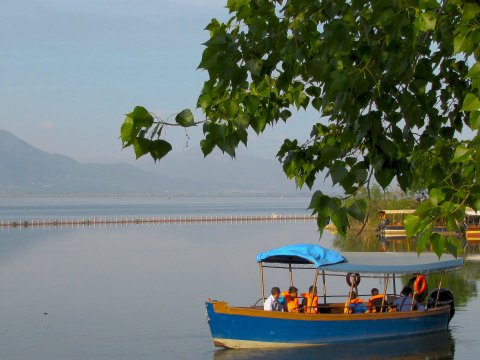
[138,291]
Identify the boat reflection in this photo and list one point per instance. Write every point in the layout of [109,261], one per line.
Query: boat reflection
[439,345]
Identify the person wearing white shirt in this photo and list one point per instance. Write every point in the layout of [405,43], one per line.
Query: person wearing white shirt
[272,303]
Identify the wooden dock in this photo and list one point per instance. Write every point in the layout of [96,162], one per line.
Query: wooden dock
[120,221]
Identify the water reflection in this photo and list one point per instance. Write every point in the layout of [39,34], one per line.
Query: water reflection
[439,345]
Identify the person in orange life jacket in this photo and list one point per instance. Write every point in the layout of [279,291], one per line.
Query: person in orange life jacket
[272,303]
[310,301]
[354,305]
[375,302]
[291,299]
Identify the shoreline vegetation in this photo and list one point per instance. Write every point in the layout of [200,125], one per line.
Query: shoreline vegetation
[380,200]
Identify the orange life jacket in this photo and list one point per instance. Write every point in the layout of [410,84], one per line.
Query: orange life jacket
[291,301]
[312,303]
[373,298]
[355,301]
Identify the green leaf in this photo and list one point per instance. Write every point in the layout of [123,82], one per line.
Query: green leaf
[159,148]
[209,59]
[460,43]
[411,223]
[358,210]
[141,147]
[242,121]
[384,177]
[438,243]
[285,114]
[475,120]
[204,100]
[185,118]
[254,66]
[470,11]
[316,199]
[474,72]
[428,4]
[360,173]
[322,221]
[453,245]
[217,39]
[206,146]
[340,220]
[338,173]
[386,17]
[471,103]
[426,21]
[126,132]
[476,203]
[422,240]
[436,196]
[461,154]
[141,117]
[339,81]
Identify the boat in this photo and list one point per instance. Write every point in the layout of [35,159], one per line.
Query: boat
[472,221]
[252,327]
[391,226]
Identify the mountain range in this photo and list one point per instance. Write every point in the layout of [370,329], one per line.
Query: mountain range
[25,169]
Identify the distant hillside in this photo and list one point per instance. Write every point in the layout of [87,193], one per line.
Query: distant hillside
[25,169]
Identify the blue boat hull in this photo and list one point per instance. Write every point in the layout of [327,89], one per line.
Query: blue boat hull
[233,327]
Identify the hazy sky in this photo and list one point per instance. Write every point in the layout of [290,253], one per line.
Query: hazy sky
[70,70]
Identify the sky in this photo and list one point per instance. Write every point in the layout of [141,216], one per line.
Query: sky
[71,70]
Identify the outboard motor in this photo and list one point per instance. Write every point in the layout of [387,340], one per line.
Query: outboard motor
[444,298]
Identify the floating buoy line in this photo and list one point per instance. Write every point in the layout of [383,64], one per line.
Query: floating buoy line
[120,221]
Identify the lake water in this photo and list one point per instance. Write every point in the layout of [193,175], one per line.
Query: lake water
[138,291]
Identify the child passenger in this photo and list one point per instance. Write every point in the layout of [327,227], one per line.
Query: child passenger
[375,301]
[354,305]
[291,299]
[310,301]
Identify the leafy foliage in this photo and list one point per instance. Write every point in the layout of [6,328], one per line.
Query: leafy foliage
[395,83]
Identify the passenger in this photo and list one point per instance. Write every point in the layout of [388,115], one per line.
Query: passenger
[291,299]
[354,305]
[405,301]
[272,303]
[375,302]
[310,301]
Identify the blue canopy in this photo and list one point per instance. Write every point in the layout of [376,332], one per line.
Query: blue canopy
[395,263]
[361,262]
[301,254]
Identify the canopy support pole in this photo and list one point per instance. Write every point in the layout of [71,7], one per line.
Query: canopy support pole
[394,286]
[439,287]
[314,291]
[385,288]
[324,288]
[262,283]
[291,273]
[347,305]
[315,279]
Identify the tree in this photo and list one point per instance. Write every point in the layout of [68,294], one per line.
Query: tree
[396,84]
